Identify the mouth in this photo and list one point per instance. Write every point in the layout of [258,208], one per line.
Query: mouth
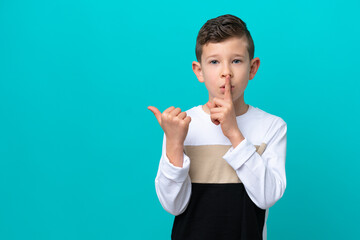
[223,87]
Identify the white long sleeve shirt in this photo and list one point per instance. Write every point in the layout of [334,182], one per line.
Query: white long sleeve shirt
[258,162]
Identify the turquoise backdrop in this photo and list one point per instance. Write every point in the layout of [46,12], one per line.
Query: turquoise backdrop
[79,150]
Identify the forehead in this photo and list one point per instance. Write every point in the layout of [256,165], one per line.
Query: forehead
[229,47]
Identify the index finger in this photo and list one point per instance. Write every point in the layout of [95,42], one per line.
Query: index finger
[228,88]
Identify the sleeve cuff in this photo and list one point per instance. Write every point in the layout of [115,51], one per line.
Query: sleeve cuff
[174,173]
[236,157]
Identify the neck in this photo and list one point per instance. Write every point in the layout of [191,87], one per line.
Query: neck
[240,106]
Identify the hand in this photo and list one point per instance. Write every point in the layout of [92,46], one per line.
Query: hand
[222,112]
[175,125]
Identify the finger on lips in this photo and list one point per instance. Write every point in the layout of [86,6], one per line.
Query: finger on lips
[227,87]
[218,105]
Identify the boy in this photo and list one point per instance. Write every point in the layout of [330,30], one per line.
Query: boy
[223,163]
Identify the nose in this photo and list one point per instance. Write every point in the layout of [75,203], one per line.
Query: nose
[226,71]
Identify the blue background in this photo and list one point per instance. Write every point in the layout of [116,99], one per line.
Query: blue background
[79,150]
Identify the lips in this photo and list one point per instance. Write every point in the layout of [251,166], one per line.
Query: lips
[223,87]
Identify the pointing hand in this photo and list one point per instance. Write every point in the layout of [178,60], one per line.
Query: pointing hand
[174,123]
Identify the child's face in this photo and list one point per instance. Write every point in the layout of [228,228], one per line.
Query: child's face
[218,60]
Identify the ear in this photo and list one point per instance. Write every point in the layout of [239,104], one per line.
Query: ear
[254,66]
[197,70]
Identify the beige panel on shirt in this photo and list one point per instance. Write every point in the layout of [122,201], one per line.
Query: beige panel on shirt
[208,166]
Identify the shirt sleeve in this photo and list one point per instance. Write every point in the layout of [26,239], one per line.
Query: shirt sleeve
[172,184]
[263,175]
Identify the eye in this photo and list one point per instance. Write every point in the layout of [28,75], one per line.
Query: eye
[213,61]
[237,61]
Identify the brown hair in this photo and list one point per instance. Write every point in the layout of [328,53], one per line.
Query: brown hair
[220,29]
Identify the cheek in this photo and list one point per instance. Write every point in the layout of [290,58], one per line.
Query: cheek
[242,87]
[210,79]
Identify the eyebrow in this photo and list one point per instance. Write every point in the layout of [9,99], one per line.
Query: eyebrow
[235,55]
